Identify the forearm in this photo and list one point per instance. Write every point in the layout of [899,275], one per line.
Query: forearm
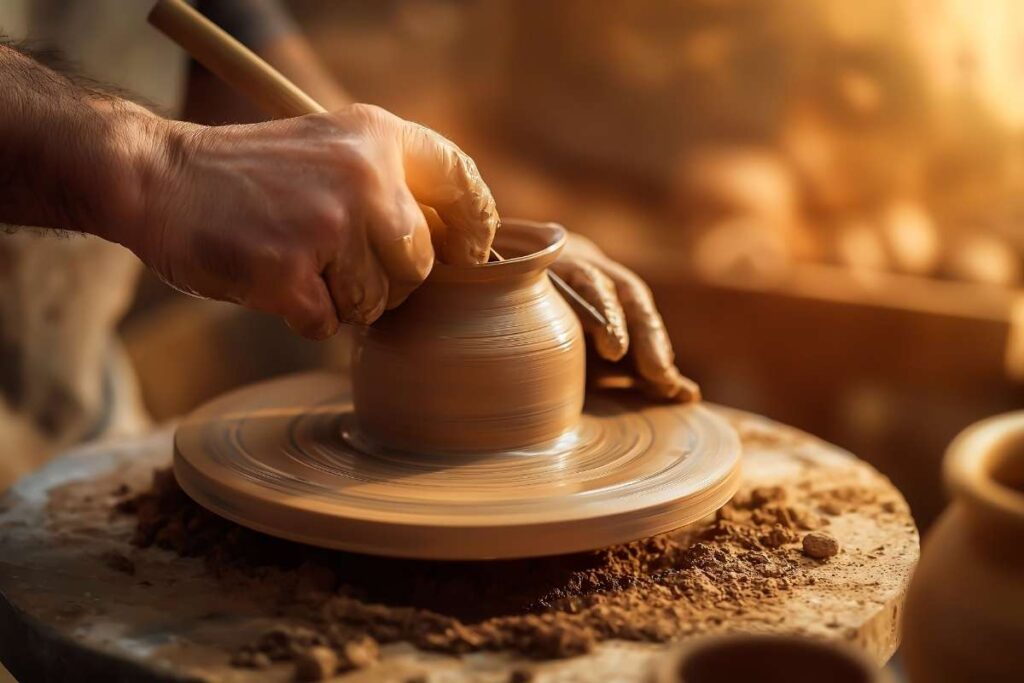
[71,156]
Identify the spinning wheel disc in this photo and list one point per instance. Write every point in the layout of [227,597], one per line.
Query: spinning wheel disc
[283,457]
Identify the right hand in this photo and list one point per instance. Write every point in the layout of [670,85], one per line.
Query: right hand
[315,219]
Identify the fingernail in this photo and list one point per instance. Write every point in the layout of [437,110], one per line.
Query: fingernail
[610,345]
[370,314]
[354,318]
[328,329]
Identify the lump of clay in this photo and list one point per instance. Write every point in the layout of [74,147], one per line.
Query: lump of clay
[820,545]
[316,664]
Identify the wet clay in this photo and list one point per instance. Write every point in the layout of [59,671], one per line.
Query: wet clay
[654,590]
[478,359]
[285,457]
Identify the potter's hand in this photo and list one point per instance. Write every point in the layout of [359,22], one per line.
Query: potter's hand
[633,320]
[314,218]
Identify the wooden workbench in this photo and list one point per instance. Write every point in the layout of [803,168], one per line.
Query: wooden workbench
[66,614]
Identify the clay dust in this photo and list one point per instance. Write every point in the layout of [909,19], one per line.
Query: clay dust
[655,590]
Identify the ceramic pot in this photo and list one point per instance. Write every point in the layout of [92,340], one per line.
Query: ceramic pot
[764,659]
[964,619]
[478,359]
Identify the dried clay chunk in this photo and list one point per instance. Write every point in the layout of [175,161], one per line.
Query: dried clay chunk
[361,653]
[316,664]
[820,546]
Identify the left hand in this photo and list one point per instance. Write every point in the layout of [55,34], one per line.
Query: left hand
[633,320]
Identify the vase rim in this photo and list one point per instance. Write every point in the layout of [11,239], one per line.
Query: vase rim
[844,662]
[980,455]
[545,241]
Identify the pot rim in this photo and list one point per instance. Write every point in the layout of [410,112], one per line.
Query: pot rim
[536,261]
[670,667]
[977,453]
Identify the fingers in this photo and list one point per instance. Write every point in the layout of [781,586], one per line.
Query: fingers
[611,341]
[310,310]
[297,293]
[388,252]
[401,242]
[438,230]
[359,290]
[442,176]
[357,282]
[652,349]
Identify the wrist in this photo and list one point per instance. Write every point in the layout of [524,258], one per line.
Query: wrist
[73,157]
[138,156]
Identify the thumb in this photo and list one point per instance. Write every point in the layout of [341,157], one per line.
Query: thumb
[443,177]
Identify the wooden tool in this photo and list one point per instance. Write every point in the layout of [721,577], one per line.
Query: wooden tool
[240,67]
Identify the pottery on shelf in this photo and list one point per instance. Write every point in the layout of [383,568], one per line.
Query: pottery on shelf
[964,618]
[478,359]
[764,659]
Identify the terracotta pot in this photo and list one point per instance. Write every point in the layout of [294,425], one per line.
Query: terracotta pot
[481,358]
[765,659]
[965,610]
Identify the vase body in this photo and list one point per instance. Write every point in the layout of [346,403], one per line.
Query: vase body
[964,619]
[478,359]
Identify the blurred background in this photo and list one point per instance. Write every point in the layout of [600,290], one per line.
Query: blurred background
[826,197]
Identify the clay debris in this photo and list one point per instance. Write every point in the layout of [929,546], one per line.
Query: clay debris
[820,546]
[742,561]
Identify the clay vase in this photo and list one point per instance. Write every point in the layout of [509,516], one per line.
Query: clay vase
[478,359]
[964,617]
[764,659]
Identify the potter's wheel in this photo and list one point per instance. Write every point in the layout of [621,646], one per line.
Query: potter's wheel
[283,457]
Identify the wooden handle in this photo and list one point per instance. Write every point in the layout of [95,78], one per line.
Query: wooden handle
[231,61]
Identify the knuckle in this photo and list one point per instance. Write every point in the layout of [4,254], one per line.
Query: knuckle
[602,280]
[636,289]
[588,272]
[417,271]
[360,169]
[361,110]
[354,162]
[328,218]
[316,125]
[464,162]
[265,258]
[582,276]
[642,289]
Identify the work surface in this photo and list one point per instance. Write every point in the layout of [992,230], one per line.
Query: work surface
[68,612]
